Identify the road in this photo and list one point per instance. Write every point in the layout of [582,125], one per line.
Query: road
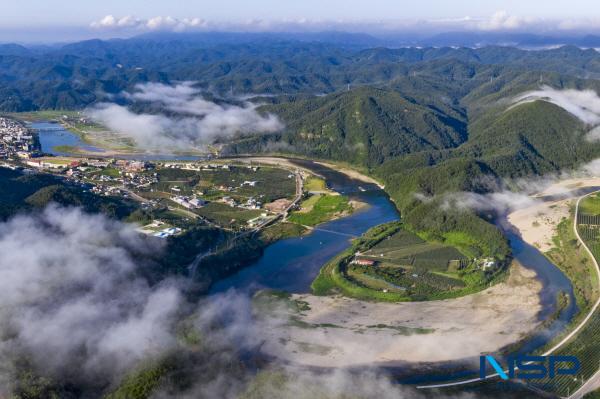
[297,198]
[594,381]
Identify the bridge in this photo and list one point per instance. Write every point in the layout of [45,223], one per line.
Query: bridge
[48,129]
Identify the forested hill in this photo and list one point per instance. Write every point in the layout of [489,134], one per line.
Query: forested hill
[78,74]
[450,127]
[368,126]
[423,120]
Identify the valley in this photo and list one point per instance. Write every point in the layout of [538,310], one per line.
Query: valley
[222,214]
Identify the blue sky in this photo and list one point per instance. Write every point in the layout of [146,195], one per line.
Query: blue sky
[46,19]
[57,12]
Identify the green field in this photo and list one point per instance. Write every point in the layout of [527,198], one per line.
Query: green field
[408,250]
[320,208]
[226,216]
[590,205]
[314,183]
[586,344]
[407,268]
[271,183]
[213,185]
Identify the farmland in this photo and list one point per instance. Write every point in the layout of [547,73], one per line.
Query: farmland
[392,264]
[232,195]
[586,344]
[319,208]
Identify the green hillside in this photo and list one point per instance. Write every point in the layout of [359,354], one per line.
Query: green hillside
[366,126]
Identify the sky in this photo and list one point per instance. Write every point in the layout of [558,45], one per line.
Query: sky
[30,20]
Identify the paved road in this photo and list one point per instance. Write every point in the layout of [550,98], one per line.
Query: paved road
[593,382]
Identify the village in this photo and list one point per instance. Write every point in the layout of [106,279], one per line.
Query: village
[178,195]
[16,141]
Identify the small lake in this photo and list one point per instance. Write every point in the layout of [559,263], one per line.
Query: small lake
[53,135]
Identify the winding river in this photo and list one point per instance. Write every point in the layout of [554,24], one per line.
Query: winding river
[291,264]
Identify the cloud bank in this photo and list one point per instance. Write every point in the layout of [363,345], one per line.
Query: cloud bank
[74,304]
[72,300]
[499,21]
[583,104]
[508,195]
[198,122]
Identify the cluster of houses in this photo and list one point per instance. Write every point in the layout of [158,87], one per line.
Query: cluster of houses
[101,189]
[15,140]
[170,231]
[251,203]
[257,221]
[187,202]
[486,263]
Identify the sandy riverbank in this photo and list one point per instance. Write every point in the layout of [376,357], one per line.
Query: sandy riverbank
[280,161]
[352,173]
[343,332]
[537,223]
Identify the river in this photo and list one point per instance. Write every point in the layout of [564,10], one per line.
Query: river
[291,264]
[53,135]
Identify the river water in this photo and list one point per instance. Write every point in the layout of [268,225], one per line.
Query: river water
[291,264]
[53,135]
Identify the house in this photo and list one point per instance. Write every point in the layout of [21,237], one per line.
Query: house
[189,203]
[364,262]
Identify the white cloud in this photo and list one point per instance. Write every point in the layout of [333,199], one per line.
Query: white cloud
[72,299]
[158,23]
[584,104]
[111,22]
[200,122]
[502,202]
[501,20]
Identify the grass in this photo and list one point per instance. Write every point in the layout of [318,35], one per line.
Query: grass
[325,208]
[391,283]
[280,231]
[573,260]
[569,256]
[403,330]
[590,205]
[111,172]
[141,384]
[314,183]
[47,115]
[593,395]
[67,149]
[227,216]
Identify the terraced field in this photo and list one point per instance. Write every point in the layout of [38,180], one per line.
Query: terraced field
[407,250]
[586,344]
[390,263]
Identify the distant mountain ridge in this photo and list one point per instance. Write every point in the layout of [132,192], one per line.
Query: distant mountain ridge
[78,74]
